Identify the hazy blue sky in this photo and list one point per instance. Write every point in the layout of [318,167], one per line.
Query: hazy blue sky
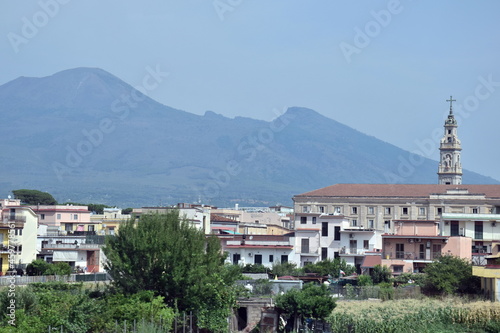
[382,67]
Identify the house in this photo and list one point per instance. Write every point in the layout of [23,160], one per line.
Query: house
[276,215]
[83,252]
[69,219]
[18,230]
[258,249]
[414,244]
[197,215]
[490,276]
[109,222]
[321,236]
[484,229]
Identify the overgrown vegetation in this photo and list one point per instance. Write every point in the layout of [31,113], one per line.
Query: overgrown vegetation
[409,315]
[168,256]
[312,301]
[72,308]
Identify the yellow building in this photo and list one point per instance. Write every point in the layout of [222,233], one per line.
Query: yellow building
[490,277]
[18,232]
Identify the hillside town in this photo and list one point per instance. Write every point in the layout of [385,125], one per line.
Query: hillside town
[401,226]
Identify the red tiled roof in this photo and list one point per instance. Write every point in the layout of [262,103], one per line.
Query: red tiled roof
[218,218]
[253,246]
[371,261]
[398,190]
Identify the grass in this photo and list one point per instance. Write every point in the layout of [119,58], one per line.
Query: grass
[416,315]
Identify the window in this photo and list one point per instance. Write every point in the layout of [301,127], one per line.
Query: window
[42,216]
[305,209]
[354,210]
[58,216]
[303,219]
[371,224]
[353,246]
[236,258]
[366,244]
[436,250]
[404,211]
[337,210]
[321,209]
[354,223]
[387,225]
[68,227]
[439,210]
[284,258]
[314,219]
[400,251]
[271,258]
[371,210]
[91,228]
[336,233]
[336,255]
[387,210]
[421,253]
[324,229]
[75,217]
[19,232]
[304,245]
[475,210]
[454,228]
[478,230]
[324,253]
[421,211]
[397,268]
[257,259]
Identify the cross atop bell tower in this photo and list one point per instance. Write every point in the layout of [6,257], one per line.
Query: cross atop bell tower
[450,167]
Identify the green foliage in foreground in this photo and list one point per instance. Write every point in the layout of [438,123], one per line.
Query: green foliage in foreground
[74,309]
[429,315]
[312,301]
[165,254]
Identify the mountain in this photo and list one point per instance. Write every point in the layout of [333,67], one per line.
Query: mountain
[86,136]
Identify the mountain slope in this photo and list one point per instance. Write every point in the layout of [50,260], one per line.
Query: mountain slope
[85,135]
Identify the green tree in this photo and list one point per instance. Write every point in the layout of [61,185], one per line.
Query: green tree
[365,280]
[449,274]
[381,274]
[34,197]
[126,211]
[330,267]
[37,267]
[59,268]
[167,255]
[286,269]
[313,301]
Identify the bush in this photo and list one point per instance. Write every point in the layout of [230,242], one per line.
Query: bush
[365,280]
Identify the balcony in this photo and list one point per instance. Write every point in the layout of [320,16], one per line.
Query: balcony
[355,251]
[14,218]
[72,246]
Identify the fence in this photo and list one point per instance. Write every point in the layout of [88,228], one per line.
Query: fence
[23,280]
[182,323]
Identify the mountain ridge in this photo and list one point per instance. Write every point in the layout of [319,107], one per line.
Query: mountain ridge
[75,133]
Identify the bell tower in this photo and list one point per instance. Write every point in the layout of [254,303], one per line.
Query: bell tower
[450,167]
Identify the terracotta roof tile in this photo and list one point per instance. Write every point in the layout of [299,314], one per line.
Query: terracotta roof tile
[398,190]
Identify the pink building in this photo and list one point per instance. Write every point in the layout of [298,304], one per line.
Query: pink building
[416,243]
[68,218]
